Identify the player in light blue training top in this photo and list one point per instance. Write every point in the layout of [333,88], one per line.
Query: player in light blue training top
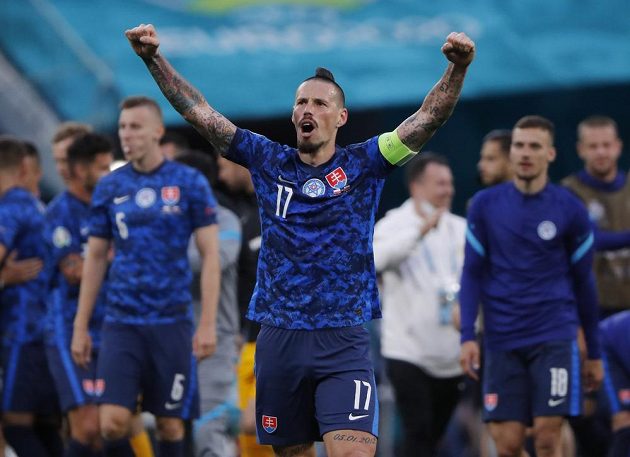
[147,210]
[528,260]
[316,281]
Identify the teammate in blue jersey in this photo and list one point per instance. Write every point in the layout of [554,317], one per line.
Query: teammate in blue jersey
[148,209]
[28,391]
[66,234]
[528,260]
[615,331]
[316,281]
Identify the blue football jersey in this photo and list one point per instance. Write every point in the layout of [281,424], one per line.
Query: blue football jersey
[66,232]
[150,218]
[316,266]
[23,305]
[528,261]
[615,332]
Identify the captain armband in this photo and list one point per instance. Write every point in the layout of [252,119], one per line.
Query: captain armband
[394,151]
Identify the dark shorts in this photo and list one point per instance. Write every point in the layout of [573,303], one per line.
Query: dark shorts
[28,384]
[75,386]
[532,381]
[309,383]
[616,383]
[153,360]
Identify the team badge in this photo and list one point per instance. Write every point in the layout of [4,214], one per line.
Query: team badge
[596,211]
[490,401]
[624,396]
[314,188]
[88,387]
[145,197]
[337,178]
[170,195]
[99,387]
[547,230]
[61,237]
[269,423]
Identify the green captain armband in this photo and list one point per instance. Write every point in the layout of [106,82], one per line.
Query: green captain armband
[394,151]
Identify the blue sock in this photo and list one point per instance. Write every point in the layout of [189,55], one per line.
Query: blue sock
[171,448]
[76,449]
[24,441]
[620,446]
[118,448]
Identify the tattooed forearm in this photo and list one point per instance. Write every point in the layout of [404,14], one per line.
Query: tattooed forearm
[189,102]
[437,107]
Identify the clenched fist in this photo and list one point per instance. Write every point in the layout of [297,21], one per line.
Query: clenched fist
[143,40]
[459,49]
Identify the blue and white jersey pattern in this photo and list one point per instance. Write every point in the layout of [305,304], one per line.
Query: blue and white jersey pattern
[150,217]
[316,266]
[23,305]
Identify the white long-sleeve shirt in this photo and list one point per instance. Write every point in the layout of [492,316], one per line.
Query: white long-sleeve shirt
[414,271]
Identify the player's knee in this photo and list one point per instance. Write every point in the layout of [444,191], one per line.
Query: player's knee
[354,453]
[114,426]
[170,428]
[547,440]
[509,448]
[87,432]
[300,450]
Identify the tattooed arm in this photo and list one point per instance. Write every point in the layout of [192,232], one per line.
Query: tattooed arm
[185,98]
[438,105]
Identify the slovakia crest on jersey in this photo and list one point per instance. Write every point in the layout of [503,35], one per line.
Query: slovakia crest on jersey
[337,178]
[269,423]
[624,396]
[314,188]
[170,195]
[490,401]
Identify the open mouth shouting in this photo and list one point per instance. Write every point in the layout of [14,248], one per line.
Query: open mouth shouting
[307,127]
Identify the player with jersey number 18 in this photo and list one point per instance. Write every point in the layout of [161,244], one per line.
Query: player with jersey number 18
[528,259]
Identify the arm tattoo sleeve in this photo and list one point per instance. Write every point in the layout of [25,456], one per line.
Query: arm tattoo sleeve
[189,102]
[437,107]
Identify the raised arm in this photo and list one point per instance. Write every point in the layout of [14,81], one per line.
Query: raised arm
[185,98]
[439,103]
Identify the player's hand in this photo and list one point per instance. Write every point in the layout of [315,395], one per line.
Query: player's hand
[469,359]
[204,341]
[144,40]
[459,49]
[431,221]
[19,271]
[593,374]
[81,346]
[71,267]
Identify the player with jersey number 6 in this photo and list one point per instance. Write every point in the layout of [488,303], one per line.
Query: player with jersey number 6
[148,209]
[316,279]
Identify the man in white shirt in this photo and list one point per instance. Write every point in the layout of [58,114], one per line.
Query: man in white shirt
[419,250]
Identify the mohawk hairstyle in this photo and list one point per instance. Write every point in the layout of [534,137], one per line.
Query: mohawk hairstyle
[326,75]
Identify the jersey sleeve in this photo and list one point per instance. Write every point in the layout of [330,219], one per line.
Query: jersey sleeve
[580,247]
[203,205]
[61,238]
[250,149]
[474,260]
[9,225]
[99,221]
